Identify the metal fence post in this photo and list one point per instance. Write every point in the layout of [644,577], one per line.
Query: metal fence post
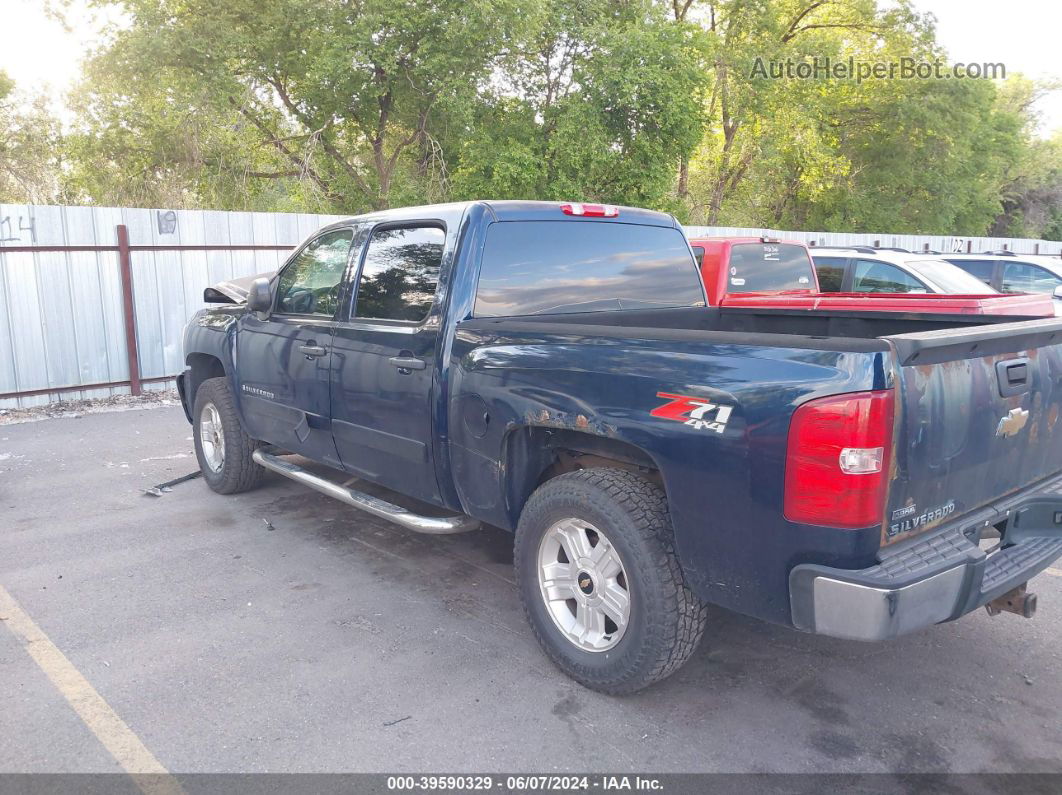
[132,353]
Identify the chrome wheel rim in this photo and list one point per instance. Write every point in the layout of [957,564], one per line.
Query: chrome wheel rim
[212,437]
[584,585]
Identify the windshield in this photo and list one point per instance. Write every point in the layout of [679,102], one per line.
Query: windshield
[769,267]
[950,278]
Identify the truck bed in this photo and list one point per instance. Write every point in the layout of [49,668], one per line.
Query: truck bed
[806,327]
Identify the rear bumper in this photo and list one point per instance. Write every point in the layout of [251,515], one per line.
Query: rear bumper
[935,577]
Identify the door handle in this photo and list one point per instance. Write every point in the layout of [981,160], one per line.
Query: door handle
[1014,376]
[312,351]
[406,364]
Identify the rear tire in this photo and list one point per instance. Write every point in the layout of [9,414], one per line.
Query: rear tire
[222,447]
[603,538]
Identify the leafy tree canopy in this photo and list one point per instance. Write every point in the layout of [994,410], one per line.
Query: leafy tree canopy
[350,105]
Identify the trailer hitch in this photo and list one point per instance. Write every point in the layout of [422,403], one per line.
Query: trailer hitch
[1017,601]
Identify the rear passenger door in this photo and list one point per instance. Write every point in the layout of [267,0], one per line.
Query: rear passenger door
[383,360]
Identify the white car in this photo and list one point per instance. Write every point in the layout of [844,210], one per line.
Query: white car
[1013,273]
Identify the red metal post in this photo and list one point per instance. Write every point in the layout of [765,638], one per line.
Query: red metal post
[132,353]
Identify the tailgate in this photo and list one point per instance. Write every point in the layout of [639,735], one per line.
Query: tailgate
[978,419]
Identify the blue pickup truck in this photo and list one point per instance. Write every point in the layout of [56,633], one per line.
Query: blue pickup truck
[553,370]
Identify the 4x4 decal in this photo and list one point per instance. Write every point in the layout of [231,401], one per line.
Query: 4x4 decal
[699,413]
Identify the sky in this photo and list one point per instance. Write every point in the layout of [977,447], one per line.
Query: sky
[1022,34]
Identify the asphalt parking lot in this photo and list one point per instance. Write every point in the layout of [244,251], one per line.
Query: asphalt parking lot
[279,630]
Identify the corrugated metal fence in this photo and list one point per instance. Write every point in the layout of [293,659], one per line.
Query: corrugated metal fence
[63,324]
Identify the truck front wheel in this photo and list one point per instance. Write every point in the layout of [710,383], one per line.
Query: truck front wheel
[600,581]
[223,449]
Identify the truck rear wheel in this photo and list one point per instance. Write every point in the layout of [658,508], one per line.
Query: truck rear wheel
[223,449]
[600,581]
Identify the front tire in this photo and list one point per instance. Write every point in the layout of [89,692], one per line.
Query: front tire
[600,582]
[222,447]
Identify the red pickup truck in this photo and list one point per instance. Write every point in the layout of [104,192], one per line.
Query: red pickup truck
[766,273]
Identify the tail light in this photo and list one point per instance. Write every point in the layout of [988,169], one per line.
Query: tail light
[837,460]
[592,210]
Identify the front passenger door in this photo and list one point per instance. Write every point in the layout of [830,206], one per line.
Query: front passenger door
[282,361]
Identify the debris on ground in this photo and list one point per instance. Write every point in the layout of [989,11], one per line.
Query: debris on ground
[269,525]
[162,488]
[72,409]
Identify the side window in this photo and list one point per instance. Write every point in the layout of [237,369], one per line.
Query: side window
[400,273]
[1021,277]
[830,271]
[309,284]
[881,277]
[698,255]
[983,269]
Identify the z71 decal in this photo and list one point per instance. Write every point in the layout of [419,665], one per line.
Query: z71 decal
[699,413]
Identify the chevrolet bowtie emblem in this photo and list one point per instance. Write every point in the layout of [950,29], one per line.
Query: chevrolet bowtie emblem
[1013,422]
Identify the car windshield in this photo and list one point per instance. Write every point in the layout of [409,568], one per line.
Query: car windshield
[949,278]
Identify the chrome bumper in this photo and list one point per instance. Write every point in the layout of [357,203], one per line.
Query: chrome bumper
[932,578]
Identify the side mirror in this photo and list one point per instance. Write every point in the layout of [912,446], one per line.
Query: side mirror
[1058,291]
[260,297]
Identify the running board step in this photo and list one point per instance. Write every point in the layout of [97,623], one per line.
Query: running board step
[432,525]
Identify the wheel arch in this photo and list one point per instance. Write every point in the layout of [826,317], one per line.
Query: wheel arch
[534,454]
[201,366]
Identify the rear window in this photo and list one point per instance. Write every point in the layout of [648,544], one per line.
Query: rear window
[762,267]
[557,267]
[983,269]
[830,271]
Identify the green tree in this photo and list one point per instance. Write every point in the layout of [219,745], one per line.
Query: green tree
[925,155]
[335,95]
[30,152]
[1032,191]
[600,103]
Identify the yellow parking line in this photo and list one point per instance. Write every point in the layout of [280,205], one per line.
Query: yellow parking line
[102,721]
[1054,572]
